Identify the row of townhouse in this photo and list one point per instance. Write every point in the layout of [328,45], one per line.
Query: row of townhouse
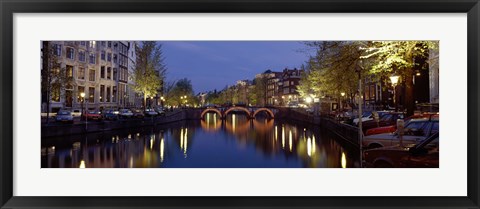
[282,87]
[99,69]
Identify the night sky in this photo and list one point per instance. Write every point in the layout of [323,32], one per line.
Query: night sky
[214,64]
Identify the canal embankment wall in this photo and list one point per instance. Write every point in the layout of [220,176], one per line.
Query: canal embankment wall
[346,132]
[53,130]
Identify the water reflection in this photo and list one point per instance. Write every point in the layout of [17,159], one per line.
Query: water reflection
[235,142]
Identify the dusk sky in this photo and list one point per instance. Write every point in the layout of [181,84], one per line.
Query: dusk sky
[214,64]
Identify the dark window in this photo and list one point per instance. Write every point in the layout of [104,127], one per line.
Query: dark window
[108,94]
[109,73]
[70,53]
[114,73]
[81,73]
[102,72]
[58,49]
[81,56]
[109,57]
[109,44]
[92,58]
[102,55]
[91,75]
[102,93]
[114,94]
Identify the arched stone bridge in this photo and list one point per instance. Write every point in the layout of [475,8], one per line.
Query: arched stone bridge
[250,111]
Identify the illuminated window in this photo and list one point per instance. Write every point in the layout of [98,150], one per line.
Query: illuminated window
[92,44]
[91,94]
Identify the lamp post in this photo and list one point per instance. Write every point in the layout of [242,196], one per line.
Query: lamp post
[162,100]
[358,69]
[341,94]
[394,80]
[86,108]
[82,95]
[151,99]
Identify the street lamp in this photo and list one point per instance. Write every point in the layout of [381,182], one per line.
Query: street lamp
[86,118]
[341,94]
[151,99]
[394,79]
[82,95]
[308,100]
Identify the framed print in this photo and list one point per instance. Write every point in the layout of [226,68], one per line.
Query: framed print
[267,104]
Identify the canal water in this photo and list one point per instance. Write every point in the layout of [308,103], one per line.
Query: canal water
[236,142]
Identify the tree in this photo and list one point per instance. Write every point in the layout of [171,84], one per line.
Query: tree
[398,57]
[54,77]
[149,71]
[333,69]
[251,97]
[183,87]
[260,89]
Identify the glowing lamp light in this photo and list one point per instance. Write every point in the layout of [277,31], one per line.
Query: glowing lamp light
[82,94]
[394,79]
[308,99]
[343,94]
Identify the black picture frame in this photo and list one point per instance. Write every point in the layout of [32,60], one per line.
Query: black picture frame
[10,7]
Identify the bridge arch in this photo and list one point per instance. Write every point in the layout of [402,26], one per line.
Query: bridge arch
[249,114]
[215,110]
[272,115]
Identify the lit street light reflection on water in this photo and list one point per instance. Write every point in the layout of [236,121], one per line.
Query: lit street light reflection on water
[235,142]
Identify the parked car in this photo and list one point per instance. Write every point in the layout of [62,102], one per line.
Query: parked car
[392,128]
[150,113]
[125,113]
[137,113]
[309,110]
[76,113]
[160,111]
[415,131]
[423,154]
[64,116]
[387,119]
[292,104]
[110,115]
[92,115]
[368,116]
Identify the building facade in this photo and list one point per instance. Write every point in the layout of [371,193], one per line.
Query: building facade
[99,69]
[290,79]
